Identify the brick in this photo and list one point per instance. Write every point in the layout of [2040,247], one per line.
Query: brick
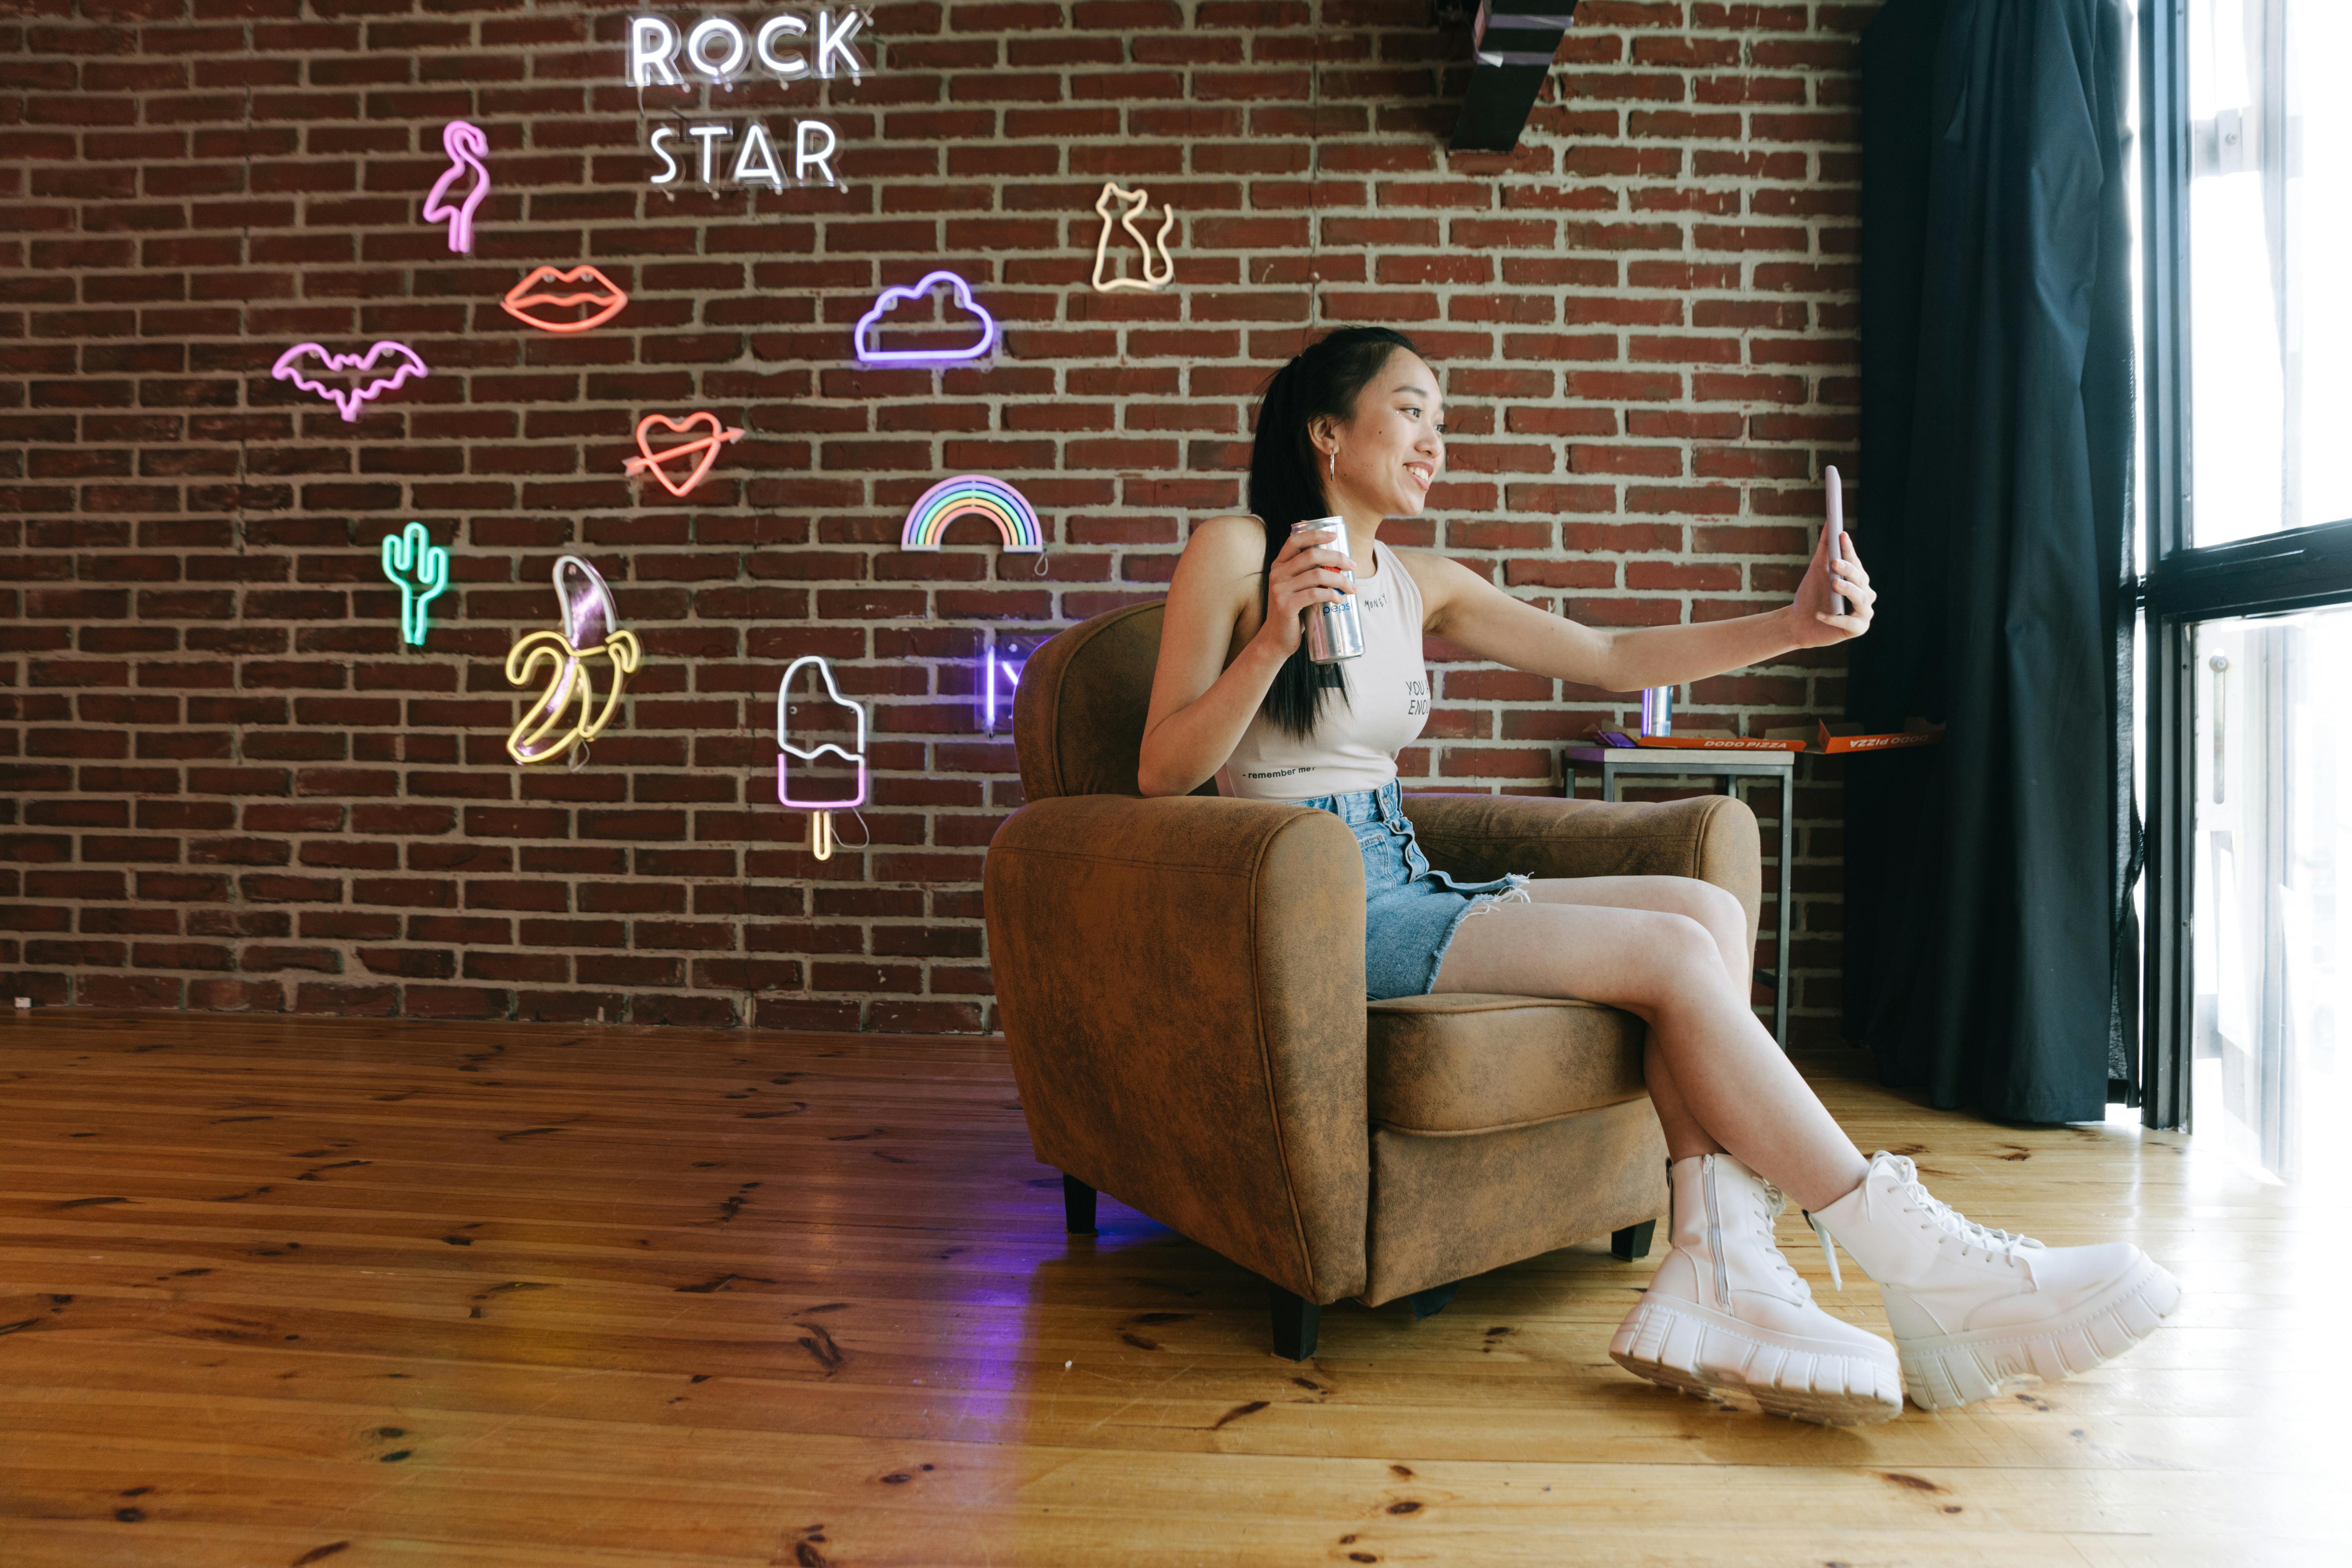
[218,757]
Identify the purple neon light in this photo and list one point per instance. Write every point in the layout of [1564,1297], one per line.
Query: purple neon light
[464,145]
[347,400]
[1010,672]
[890,297]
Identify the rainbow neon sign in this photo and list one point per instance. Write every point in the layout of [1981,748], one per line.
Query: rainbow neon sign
[968,495]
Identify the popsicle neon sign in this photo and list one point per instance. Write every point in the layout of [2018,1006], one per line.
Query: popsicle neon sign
[820,810]
[816,46]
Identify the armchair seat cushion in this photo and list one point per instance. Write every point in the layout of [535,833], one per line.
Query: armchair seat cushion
[1456,1063]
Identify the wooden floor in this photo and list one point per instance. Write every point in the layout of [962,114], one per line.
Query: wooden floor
[448,1296]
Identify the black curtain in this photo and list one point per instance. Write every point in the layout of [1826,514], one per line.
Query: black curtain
[1989,951]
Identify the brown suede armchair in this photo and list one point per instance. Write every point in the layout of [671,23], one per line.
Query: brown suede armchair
[1182,983]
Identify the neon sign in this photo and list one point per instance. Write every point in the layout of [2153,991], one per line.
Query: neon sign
[755,162]
[538,299]
[590,630]
[717,48]
[704,449]
[870,351]
[969,495]
[820,810]
[420,570]
[1135,202]
[347,400]
[1000,678]
[815,46]
[464,145]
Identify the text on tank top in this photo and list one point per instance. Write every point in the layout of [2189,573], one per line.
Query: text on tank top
[1354,744]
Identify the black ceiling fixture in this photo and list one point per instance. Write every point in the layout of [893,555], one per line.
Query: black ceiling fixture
[1510,54]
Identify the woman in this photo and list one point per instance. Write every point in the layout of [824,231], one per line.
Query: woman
[1351,428]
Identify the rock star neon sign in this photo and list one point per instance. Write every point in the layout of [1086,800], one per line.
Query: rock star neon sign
[813,46]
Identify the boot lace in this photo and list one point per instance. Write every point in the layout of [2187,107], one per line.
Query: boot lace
[1936,1213]
[1949,1220]
[1775,1203]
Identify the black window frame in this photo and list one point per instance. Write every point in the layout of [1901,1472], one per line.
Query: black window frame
[2274,574]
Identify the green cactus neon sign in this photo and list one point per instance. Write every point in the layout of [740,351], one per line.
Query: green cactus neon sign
[420,570]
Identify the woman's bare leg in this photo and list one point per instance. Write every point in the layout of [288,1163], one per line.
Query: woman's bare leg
[1724,920]
[1682,970]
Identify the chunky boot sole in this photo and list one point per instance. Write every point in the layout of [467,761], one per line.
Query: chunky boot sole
[1944,1371]
[1713,1355]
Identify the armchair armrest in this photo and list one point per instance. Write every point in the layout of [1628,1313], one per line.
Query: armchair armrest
[1182,983]
[1481,837]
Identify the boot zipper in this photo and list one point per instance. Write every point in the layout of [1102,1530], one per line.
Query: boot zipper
[1714,1233]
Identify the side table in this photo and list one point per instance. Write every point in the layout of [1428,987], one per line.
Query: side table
[1728,768]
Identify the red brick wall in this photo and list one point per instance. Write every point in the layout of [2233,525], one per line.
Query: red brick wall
[227,785]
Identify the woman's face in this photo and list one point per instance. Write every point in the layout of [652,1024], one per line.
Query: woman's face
[1390,452]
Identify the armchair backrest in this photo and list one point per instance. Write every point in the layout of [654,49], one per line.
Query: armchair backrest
[1077,715]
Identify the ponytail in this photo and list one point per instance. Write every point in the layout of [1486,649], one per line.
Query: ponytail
[1287,485]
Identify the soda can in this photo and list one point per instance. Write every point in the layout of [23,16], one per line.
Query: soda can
[1658,710]
[1334,631]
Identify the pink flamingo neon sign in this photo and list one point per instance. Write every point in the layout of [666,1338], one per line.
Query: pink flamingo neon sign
[465,144]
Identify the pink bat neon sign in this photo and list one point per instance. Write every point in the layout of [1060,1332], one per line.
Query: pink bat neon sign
[464,145]
[347,400]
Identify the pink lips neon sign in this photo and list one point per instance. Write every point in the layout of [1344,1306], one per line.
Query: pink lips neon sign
[406,365]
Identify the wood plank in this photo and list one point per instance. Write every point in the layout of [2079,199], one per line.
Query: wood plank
[618,1298]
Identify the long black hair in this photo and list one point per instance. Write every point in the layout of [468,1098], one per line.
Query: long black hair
[1287,484]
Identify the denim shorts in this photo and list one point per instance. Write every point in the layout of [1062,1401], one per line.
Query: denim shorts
[1411,912]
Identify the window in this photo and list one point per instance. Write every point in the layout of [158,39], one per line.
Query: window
[2270,221]
[2246,500]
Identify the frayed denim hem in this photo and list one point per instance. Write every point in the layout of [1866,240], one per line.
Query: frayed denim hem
[1517,893]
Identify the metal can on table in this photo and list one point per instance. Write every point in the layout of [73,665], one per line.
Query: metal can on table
[1658,710]
[1334,631]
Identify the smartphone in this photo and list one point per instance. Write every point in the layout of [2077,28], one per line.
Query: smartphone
[1836,529]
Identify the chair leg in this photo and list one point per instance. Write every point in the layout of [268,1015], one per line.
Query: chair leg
[1430,1302]
[1077,1206]
[1633,1242]
[1295,1321]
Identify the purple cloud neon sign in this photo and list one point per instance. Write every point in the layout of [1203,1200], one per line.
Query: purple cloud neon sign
[347,400]
[465,144]
[870,354]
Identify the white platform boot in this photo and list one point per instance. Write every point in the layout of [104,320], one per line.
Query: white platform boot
[1726,1317]
[1977,1311]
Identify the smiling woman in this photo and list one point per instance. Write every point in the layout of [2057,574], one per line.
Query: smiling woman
[1351,430]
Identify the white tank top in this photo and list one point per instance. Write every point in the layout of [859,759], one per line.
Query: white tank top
[1354,744]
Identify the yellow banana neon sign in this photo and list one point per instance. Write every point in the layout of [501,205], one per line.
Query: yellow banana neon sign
[591,623]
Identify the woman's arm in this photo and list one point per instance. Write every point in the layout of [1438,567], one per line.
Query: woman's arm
[1201,703]
[1463,607]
